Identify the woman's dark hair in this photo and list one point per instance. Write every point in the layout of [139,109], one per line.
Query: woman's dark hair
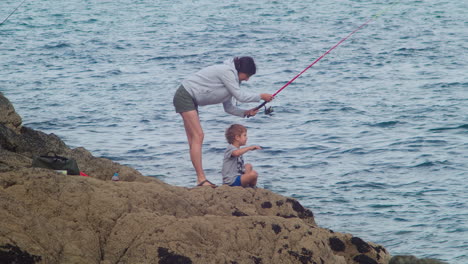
[245,65]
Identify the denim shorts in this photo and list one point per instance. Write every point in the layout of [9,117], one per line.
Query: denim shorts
[237,182]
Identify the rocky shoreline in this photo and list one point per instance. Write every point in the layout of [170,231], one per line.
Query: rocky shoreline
[47,217]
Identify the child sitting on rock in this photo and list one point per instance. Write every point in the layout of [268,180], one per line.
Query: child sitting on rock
[234,172]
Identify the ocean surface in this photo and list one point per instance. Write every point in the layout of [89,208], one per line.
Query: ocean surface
[373,138]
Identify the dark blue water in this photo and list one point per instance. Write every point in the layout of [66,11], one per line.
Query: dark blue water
[373,138]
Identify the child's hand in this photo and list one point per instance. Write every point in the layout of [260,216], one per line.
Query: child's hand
[255,147]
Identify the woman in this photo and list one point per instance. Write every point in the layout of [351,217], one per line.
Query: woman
[213,85]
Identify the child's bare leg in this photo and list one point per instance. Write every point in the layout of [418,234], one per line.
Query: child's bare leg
[248,168]
[249,178]
[254,182]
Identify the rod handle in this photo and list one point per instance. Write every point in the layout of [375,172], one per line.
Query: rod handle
[261,105]
[258,107]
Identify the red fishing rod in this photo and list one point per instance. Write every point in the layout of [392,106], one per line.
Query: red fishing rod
[269,110]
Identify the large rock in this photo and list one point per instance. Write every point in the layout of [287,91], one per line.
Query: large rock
[8,115]
[414,260]
[47,217]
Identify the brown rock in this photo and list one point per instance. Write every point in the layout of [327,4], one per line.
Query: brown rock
[8,115]
[414,260]
[47,217]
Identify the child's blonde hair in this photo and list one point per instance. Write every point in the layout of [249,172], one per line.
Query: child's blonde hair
[233,131]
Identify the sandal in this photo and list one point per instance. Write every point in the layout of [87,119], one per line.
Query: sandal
[206,181]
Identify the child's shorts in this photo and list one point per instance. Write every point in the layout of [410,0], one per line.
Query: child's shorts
[183,101]
[237,182]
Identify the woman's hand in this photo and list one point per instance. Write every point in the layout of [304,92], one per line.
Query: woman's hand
[251,112]
[266,97]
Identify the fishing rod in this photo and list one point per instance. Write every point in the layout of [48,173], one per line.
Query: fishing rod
[12,13]
[269,110]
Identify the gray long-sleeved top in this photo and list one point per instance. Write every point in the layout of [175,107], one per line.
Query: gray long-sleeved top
[219,84]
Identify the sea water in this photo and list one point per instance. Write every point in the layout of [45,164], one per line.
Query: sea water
[373,138]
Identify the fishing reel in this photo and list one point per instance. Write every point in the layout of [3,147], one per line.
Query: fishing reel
[268,110]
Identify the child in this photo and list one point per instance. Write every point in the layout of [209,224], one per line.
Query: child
[234,172]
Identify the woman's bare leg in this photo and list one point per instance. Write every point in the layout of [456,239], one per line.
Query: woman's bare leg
[195,137]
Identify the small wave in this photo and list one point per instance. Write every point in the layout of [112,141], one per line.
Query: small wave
[432,163]
[354,151]
[385,124]
[407,52]
[445,85]
[430,191]
[399,219]
[136,151]
[216,150]
[351,109]
[382,206]
[114,72]
[419,142]
[465,126]
[311,121]
[403,232]
[344,182]
[169,154]
[173,57]
[413,49]
[90,21]
[308,166]
[372,185]
[274,152]
[419,225]
[340,200]
[286,110]
[460,230]
[59,45]
[119,47]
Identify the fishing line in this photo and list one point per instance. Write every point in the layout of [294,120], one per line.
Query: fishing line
[12,12]
[374,17]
